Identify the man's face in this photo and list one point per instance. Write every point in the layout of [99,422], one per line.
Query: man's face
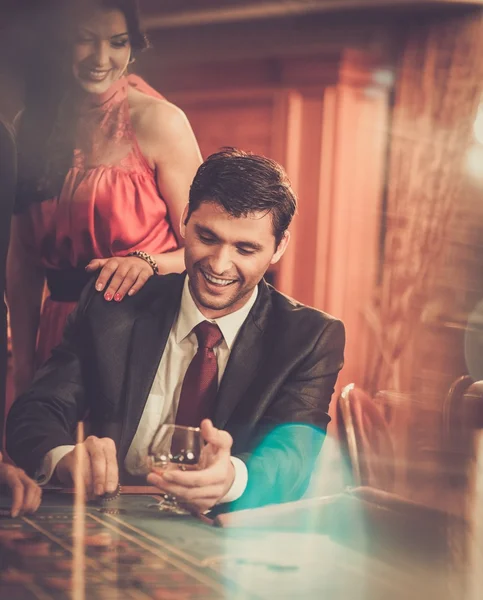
[226,256]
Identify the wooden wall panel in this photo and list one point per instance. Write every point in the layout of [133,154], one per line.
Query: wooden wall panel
[304,228]
[356,175]
[225,119]
[436,102]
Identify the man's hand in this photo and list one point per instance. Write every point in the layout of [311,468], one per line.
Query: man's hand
[26,494]
[201,490]
[96,457]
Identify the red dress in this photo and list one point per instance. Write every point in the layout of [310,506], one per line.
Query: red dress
[109,205]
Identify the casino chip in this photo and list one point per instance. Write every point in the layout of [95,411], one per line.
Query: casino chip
[112,511]
[109,496]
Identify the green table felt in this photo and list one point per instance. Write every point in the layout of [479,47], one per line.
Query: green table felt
[140,554]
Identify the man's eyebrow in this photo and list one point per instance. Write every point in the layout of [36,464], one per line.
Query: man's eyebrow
[250,245]
[206,230]
[119,35]
[201,229]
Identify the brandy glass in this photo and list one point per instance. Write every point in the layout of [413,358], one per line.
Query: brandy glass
[174,447]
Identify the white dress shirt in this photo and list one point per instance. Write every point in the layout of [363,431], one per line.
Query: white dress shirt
[163,399]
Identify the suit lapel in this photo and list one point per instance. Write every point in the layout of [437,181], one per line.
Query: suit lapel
[148,341]
[245,358]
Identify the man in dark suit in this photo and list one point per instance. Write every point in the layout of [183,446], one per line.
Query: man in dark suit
[216,344]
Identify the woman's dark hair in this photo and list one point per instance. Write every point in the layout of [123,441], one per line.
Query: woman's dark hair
[243,183]
[130,9]
[46,131]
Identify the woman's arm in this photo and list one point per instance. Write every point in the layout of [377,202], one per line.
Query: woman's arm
[25,282]
[168,143]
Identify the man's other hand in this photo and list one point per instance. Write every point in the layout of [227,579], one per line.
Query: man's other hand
[96,457]
[201,490]
[26,494]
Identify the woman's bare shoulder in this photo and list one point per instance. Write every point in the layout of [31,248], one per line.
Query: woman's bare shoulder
[155,116]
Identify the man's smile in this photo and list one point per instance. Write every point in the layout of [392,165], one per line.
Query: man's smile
[217,280]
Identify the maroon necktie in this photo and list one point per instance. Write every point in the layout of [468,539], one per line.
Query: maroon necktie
[200,384]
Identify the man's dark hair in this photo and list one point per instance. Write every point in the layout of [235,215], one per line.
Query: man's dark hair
[244,183]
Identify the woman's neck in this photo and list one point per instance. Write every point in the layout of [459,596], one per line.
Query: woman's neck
[91,100]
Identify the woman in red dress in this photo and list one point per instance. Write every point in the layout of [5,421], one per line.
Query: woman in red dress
[105,165]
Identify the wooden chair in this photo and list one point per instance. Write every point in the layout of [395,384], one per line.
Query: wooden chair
[465,440]
[455,442]
[366,438]
[453,403]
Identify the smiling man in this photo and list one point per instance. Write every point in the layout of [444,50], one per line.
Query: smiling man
[216,345]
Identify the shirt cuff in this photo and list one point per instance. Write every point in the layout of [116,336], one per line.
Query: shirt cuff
[239,483]
[50,462]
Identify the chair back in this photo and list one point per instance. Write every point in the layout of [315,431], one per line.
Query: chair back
[468,431]
[366,438]
[453,404]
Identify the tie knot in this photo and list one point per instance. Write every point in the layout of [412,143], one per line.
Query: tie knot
[209,334]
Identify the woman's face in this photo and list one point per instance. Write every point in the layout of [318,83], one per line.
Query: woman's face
[102,50]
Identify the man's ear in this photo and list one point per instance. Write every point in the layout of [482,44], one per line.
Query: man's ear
[182,225]
[282,246]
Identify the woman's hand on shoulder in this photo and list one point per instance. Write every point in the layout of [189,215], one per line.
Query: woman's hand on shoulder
[120,275]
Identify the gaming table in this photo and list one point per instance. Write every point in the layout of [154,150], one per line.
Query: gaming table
[130,550]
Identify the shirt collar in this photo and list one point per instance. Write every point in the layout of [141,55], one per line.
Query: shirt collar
[189,316]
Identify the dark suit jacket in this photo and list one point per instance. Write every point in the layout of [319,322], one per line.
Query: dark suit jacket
[7,195]
[273,398]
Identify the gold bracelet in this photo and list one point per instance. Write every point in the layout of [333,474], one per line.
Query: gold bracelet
[148,258]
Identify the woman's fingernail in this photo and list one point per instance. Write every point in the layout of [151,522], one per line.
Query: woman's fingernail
[99,287]
[108,296]
[117,297]
[131,292]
